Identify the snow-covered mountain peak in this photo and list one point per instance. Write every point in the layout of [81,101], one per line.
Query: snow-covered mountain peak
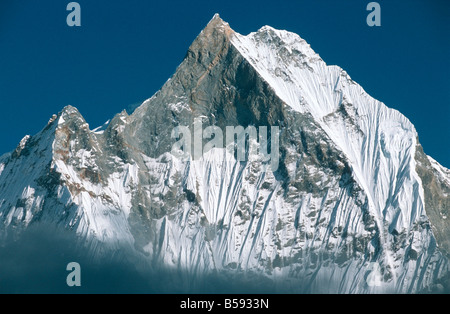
[69,113]
[375,138]
[292,42]
[69,110]
[216,24]
[353,188]
[217,19]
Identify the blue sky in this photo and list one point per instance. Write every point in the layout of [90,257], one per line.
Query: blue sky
[125,51]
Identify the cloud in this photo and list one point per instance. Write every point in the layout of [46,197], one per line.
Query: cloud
[36,263]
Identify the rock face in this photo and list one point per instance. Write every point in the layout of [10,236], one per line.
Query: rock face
[354,206]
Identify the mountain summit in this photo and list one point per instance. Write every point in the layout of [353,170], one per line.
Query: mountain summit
[354,206]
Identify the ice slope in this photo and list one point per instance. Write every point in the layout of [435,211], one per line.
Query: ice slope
[379,142]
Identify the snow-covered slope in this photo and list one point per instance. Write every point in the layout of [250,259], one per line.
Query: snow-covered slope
[346,210]
[379,142]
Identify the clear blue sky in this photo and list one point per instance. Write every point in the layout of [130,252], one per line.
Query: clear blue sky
[125,50]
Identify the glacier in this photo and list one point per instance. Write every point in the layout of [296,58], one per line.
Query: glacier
[354,188]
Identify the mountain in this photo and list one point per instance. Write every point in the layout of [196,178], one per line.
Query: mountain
[354,204]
